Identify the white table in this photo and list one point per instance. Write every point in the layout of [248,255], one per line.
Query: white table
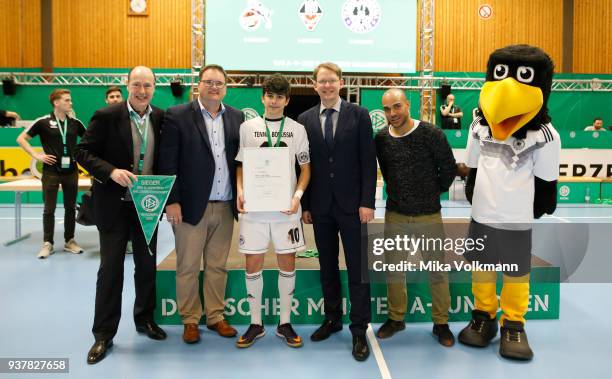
[28,185]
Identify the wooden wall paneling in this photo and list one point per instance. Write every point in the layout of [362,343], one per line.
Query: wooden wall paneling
[20,33]
[31,40]
[10,34]
[464,40]
[99,33]
[592,36]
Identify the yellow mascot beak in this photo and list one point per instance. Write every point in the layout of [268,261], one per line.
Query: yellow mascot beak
[508,105]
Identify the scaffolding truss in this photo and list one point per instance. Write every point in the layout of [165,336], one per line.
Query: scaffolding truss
[426,82]
[356,83]
[198,18]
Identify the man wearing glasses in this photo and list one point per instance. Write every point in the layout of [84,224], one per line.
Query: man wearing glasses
[120,143]
[199,143]
[340,200]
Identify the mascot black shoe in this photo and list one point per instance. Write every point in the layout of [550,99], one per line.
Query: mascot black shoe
[514,344]
[513,155]
[480,331]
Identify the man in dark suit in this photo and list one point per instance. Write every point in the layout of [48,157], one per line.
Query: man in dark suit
[199,143]
[120,143]
[340,199]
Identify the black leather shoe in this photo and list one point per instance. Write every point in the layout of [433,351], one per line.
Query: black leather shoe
[389,328]
[152,330]
[361,351]
[98,351]
[325,330]
[444,335]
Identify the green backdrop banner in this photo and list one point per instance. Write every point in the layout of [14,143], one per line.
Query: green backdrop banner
[570,111]
[32,102]
[307,306]
[372,98]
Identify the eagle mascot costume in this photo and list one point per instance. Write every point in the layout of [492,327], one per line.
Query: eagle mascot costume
[513,155]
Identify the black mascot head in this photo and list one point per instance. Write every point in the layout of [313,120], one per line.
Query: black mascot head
[514,96]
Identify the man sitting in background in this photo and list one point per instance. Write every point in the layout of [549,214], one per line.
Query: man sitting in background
[597,126]
[8,117]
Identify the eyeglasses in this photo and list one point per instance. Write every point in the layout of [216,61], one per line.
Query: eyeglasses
[213,83]
[329,81]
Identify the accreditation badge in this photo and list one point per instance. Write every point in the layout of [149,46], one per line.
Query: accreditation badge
[65,162]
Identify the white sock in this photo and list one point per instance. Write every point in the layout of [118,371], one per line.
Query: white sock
[286,285]
[254,287]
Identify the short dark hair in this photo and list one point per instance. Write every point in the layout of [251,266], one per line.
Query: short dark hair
[212,67]
[597,118]
[57,94]
[277,84]
[112,89]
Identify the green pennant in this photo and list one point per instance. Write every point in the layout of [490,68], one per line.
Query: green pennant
[150,193]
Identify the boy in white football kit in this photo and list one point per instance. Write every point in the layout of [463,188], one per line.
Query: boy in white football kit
[284,229]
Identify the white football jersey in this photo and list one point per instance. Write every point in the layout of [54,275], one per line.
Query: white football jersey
[253,134]
[504,189]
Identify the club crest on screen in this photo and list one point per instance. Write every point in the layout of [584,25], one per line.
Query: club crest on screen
[254,15]
[361,16]
[310,13]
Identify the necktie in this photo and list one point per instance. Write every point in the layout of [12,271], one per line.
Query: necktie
[329,128]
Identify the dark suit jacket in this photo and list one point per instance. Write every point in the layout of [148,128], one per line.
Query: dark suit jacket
[107,145]
[346,174]
[185,152]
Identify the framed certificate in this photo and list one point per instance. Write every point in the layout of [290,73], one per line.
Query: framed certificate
[266,179]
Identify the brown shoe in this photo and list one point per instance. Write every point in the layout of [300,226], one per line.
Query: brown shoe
[191,333]
[223,328]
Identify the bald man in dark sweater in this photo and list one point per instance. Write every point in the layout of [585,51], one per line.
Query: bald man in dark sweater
[417,164]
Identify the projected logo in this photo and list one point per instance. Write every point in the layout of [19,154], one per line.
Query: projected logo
[564,191]
[249,113]
[379,120]
[310,13]
[361,16]
[255,14]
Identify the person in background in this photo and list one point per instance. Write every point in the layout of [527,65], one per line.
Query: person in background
[451,113]
[8,117]
[58,136]
[113,95]
[597,126]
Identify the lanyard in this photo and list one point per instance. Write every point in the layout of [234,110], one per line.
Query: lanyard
[280,132]
[63,132]
[144,136]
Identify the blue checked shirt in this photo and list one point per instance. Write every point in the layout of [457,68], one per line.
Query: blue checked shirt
[222,187]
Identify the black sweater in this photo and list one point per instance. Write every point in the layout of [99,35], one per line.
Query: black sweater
[417,168]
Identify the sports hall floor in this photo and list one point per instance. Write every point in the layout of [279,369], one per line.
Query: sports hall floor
[46,310]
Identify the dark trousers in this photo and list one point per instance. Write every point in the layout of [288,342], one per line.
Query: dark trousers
[326,229]
[50,186]
[109,286]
